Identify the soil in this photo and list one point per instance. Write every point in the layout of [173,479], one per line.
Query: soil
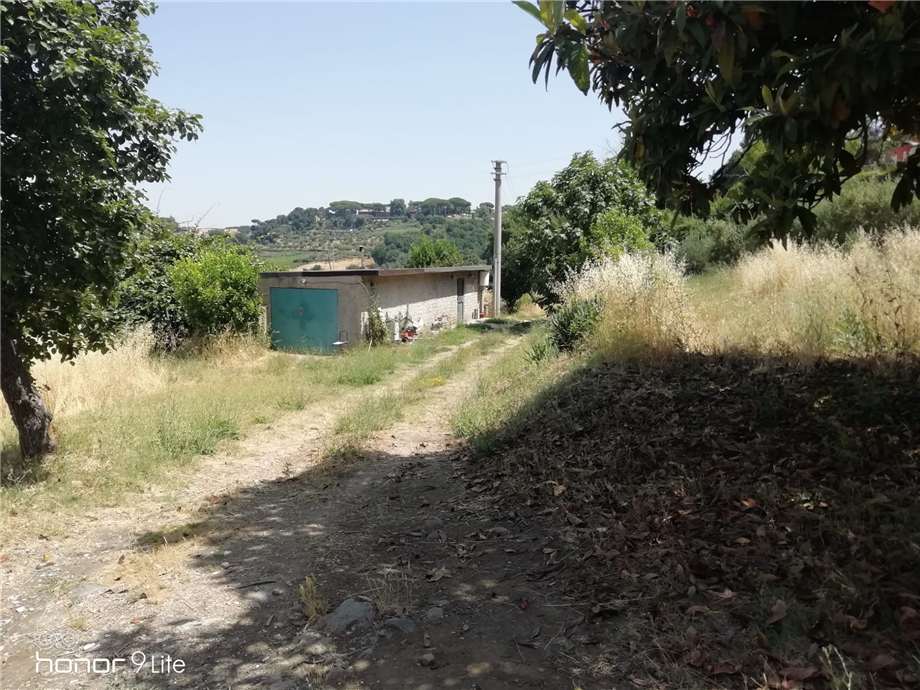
[417,578]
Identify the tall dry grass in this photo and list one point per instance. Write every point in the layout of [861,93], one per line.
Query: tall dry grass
[802,301]
[825,301]
[645,304]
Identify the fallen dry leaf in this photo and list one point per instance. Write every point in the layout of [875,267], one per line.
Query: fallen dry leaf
[798,672]
[437,574]
[777,612]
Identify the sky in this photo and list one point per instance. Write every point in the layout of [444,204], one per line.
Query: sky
[306,103]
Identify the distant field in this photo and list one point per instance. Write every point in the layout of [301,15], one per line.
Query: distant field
[292,259]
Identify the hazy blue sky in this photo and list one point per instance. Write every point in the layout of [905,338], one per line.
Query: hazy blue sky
[305,103]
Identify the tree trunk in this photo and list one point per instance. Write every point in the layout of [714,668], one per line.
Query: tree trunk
[31,417]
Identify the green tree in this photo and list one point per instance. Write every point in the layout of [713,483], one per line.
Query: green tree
[398,207]
[434,252]
[79,132]
[556,217]
[146,294]
[612,233]
[802,77]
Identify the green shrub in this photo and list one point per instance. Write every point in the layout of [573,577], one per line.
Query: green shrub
[864,202]
[573,321]
[145,294]
[375,330]
[218,288]
[612,233]
[708,243]
[541,350]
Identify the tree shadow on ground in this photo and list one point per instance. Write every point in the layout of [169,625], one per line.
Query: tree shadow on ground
[689,522]
[452,577]
[737,514]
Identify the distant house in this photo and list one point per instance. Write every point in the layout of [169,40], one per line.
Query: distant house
[373,213]
[323,310]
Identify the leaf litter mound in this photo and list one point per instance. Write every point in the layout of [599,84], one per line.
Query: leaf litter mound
[737,522]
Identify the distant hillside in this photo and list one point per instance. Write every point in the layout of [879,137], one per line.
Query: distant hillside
[344,229]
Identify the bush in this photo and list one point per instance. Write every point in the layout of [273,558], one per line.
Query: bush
[572,322]
[145,294]
[614,232]
[708,243]
[218,288]
[375,329]
[864,203]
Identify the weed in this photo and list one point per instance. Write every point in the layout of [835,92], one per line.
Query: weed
[314,605]
[391,591]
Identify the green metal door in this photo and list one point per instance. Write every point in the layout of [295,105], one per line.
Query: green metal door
[304,318]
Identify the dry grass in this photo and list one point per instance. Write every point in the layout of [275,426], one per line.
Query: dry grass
[148,572]
[646,307]
[391,591]
[313,602]
[127,421]
[800,301]
[825,301]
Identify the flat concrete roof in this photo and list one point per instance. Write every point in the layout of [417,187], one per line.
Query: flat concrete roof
[381,272]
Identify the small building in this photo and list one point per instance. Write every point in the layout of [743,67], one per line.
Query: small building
[322,310]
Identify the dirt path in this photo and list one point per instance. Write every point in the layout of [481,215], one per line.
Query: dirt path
[439,590]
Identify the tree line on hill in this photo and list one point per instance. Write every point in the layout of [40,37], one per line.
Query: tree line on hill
[349,215]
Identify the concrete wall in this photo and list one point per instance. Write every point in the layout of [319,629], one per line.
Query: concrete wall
[427,297]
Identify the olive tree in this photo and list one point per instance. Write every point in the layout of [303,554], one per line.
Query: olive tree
[808,79]
[79,132]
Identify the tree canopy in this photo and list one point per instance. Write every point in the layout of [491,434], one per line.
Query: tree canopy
[805,78]
[550,230]
[79,132]
[434,252]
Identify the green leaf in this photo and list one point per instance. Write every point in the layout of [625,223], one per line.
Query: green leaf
[727,60]
[577,20]
[767,96]
[680,17]
[578,68]
[551,13]
[530,9]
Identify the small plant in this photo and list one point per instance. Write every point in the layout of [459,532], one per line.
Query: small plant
[314,605]
[839,676]
[392,591]
[573,321]
[375,329]
[541,350]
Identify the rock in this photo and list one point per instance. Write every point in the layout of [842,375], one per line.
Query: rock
[427,660]
[277,591]
[351,613]
[500,531]
[401,623]
[434,614]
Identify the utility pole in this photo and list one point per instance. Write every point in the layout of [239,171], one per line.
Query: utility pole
[497,242]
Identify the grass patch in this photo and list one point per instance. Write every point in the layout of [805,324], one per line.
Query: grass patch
[506,391]
[127,421]
[380,411]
